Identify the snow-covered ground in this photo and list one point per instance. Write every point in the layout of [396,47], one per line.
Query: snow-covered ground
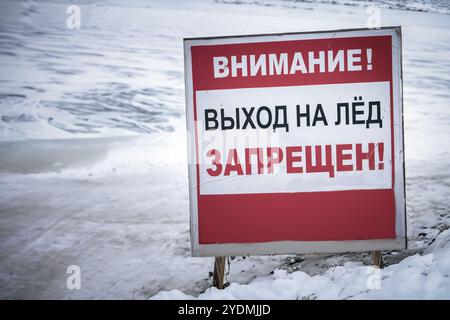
[93,165]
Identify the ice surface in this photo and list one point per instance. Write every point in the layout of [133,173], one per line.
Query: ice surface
[93,165]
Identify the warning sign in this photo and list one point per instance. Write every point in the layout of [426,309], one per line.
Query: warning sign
[296,142]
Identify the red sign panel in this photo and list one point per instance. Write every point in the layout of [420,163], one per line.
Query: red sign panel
[296,142]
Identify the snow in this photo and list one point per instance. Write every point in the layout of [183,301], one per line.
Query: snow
[416,277]
[93,153]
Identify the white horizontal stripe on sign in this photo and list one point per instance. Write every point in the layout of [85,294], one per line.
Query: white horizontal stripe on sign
[328,96]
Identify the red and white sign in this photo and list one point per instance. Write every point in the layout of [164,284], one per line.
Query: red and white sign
[295,142]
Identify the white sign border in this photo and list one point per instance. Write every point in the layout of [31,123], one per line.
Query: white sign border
[300,247]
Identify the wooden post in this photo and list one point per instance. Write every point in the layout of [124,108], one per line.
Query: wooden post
[377,259]
[219,272]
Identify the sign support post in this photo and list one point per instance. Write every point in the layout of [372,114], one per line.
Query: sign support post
[377,259]
[219,272]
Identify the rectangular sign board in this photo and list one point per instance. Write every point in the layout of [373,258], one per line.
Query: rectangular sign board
[295,142]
